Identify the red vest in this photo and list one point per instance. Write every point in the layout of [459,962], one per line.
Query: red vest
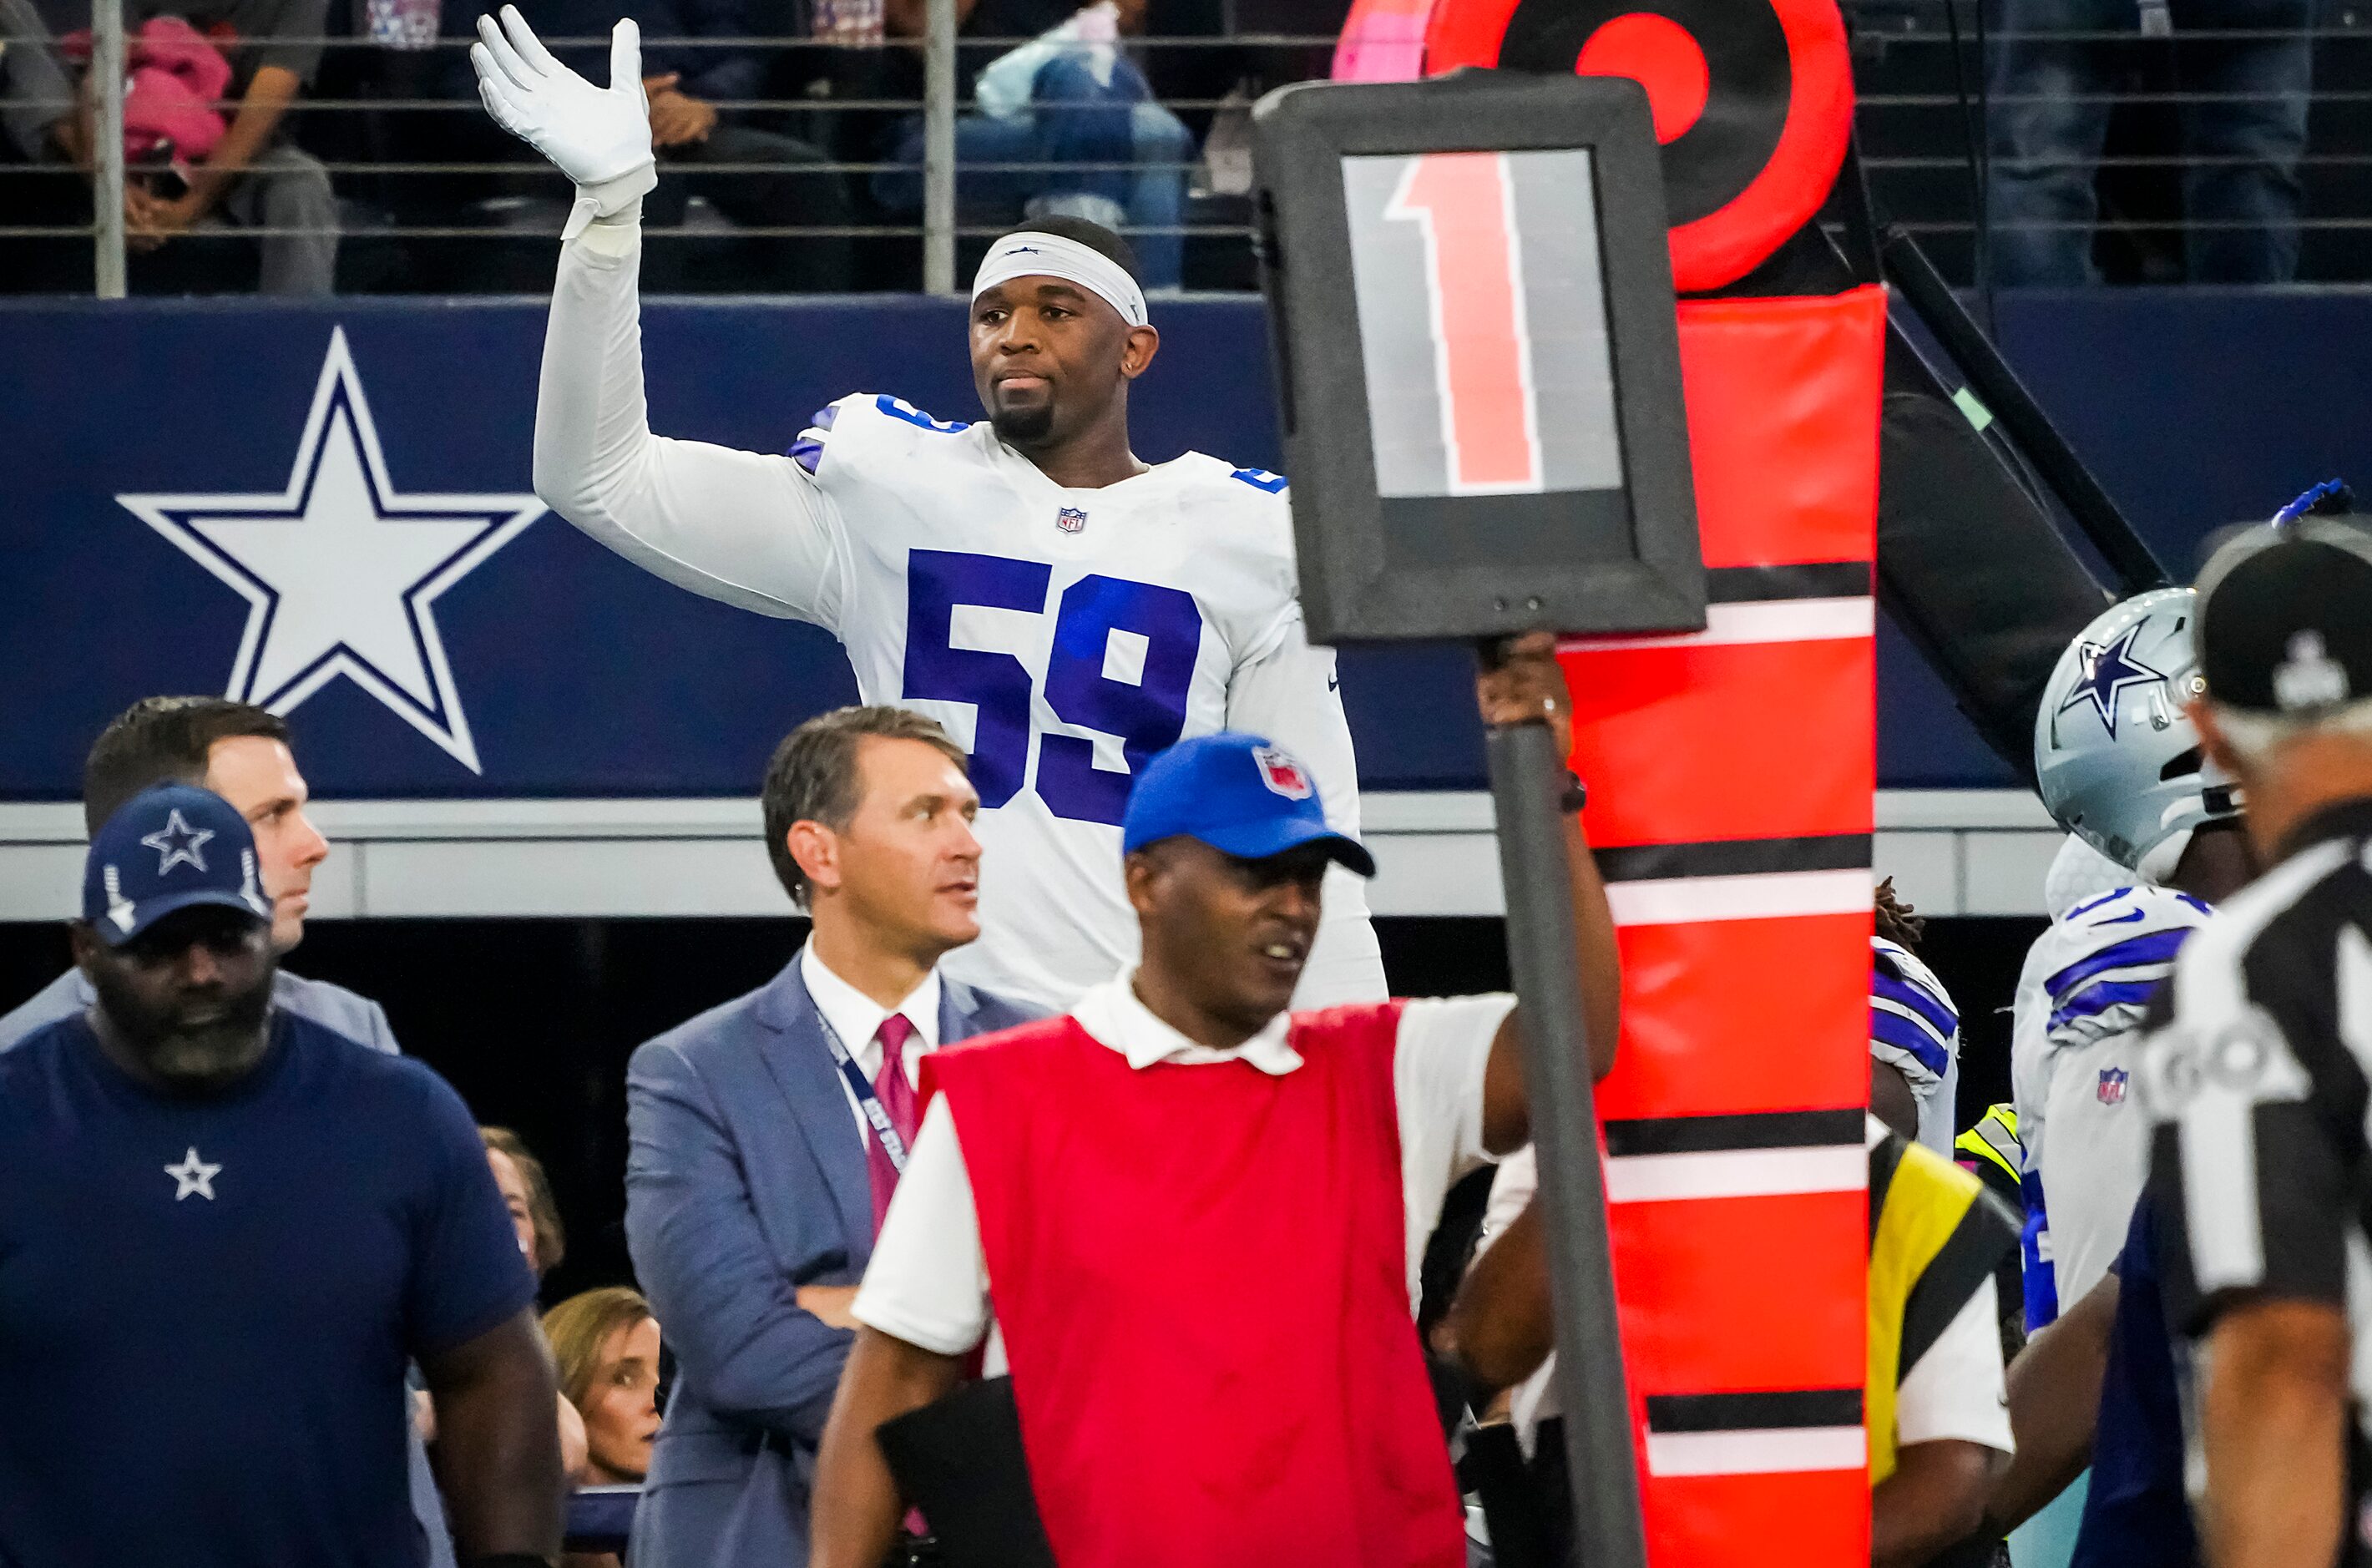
[1201,1273]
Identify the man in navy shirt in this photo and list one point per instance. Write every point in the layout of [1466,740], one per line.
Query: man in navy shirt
[224,1230]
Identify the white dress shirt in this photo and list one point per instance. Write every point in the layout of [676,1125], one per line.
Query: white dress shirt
[928,1281]
[856,1019]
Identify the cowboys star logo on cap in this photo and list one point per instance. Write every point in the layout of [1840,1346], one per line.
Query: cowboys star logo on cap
[1282,773]
[203,854]
[1070,519]
[178,843]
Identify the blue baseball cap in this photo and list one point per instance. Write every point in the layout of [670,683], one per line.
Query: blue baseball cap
[169,848]
[1238,794]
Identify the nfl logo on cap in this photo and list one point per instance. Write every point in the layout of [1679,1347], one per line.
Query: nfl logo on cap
[1280,772]
[1070,519]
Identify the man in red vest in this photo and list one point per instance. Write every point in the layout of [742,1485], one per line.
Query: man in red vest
[1199,1217]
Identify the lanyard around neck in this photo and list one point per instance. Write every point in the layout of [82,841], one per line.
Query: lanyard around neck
[867,1103]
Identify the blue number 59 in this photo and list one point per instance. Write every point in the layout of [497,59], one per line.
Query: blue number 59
[1122,663]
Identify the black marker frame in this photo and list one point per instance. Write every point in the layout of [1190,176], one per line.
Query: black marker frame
[1377,568]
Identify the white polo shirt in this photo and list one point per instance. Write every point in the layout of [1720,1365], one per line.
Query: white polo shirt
[856,1019]
[928,1281]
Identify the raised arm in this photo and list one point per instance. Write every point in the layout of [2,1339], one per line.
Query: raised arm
[748,529]
[1528,687]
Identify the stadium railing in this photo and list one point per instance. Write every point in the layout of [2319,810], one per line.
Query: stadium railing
[386,122]
[1929,81]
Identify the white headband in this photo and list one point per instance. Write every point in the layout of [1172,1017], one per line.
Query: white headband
[1032,254]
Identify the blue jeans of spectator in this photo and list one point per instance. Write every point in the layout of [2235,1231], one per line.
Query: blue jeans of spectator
[2242,142]
[1122,152]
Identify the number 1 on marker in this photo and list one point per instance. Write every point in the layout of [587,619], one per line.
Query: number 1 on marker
[1464,204]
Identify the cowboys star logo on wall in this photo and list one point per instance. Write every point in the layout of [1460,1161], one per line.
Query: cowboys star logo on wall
[342,572]
[2109,669]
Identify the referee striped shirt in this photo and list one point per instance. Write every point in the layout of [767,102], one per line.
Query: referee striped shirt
[2255,1078]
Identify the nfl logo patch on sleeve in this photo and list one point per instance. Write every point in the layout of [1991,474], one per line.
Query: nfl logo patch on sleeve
[2112,1089]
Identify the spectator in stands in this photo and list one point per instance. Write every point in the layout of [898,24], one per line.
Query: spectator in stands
[699,143]
[606,1345]
[695,139]
[39,127]
[2054,79]
[1069,98]
[768,1133]
[527,1194]
[255,177]
[37,103]
[179,1335]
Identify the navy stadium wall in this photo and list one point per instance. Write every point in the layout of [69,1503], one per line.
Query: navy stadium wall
[539,665]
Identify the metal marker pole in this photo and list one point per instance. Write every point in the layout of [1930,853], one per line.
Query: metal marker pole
[1527,776]
[939,149]
[107,116]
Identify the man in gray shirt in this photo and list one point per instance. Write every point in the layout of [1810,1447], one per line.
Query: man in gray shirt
[241,753]
[37,103]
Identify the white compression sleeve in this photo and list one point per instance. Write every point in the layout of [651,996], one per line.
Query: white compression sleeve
[741,526]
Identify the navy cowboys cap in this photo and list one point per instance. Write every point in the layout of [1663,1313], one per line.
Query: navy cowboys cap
[167,849]
[1238,794]
[2286,618]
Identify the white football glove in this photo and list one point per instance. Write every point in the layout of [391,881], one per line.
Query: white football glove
[601,137]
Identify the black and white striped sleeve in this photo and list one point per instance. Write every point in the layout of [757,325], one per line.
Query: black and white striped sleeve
[2256,1092]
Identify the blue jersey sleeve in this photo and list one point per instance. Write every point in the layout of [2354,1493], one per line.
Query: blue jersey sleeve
[467,1273]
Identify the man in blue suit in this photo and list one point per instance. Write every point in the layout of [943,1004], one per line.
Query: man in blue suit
[768,1133]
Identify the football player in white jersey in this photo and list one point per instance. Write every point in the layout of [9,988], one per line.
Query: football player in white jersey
[2118,764]
[1915,1030]
[1066,608]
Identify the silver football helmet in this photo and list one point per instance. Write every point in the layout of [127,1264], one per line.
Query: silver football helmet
[2116,758]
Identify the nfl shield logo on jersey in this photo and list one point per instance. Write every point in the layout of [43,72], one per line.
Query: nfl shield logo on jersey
[1282,773]
[2113,1085]
[1070,519]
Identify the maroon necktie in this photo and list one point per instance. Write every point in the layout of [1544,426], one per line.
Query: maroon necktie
[897,1098]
